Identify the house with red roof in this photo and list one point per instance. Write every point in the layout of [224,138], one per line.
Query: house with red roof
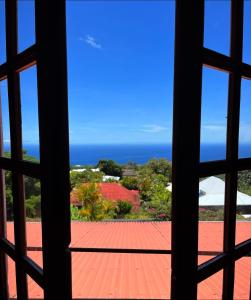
[114,192]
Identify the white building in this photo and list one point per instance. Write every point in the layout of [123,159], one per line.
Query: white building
[212,195]
[82,170]
[108,177]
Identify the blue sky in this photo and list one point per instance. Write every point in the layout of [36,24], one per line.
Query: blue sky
[120,72]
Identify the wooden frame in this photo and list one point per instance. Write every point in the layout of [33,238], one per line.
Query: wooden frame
[54,153]
[190,56]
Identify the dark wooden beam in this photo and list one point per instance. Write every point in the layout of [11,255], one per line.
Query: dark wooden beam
[54,147]
[186,147]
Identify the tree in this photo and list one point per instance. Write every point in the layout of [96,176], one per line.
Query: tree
[32,192]
[159,206]
[109,167]
[160,166]
[131,183]
[88,175]
[123,208]
[147,182]
[32,187]
[244,182]
[33,207]
[94,206]
[75,215]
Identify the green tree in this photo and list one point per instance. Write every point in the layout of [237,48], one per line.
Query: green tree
[32,187]
[88,175]
[32,192]
[160,205]
[75,215]
[109,167]
[33,207]
[9,204]
[94,206]
[131,183]
[160,166]
[244,182]
[147,182]
[123,208]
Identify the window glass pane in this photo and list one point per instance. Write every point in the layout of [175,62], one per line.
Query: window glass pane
[245,121]
[29,107]
[12,278]
[9,205]
[33,218]
[26,24]
[217,26]
[211,214]
[120,105]
[122,276]
[34,290]
[2,33]
[242,284]
[134,276]
[247,33]
[214,115]
[210,288]
[243,220]
[5,117]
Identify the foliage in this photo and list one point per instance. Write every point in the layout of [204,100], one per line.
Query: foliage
[131,183]
[147,181]
[123,208]
[160,166]
[32,187]
[94,206]
[25,156]
[33,207]
[131,165]
[88,175]
[159,207]
[32,195]
[211,215]
[215,215]
[111,180]
[75,215]
[9,204]
[109,167]
[244,182]
[140,215]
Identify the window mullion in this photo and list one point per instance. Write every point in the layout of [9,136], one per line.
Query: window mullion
[16,147]
[232,143]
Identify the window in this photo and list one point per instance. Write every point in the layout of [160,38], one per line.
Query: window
[49,56]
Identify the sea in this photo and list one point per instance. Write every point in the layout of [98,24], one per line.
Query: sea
[137,153]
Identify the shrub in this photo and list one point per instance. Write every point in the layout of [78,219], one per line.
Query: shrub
[131,183]
[123,208]
[33,207]
[109,167]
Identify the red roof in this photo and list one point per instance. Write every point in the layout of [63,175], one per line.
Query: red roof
[115,192]
[135,276]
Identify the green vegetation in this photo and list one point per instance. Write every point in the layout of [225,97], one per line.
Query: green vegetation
[150,180]
[131,183]
[109,167]
[123,208]
[31,190]
[160,166]
[77,178]
[93,206]
[218,215]
[244,182]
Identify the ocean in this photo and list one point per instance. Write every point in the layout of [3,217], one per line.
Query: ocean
[140,154]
